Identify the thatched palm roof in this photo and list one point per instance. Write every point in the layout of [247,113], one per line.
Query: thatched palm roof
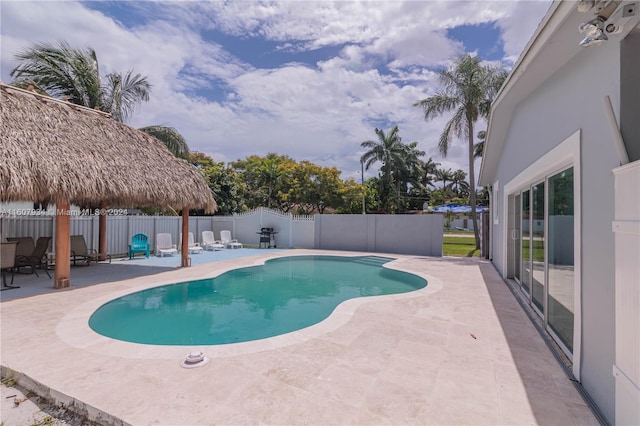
[51,150]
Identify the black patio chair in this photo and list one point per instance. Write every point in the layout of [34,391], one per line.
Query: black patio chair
[37,259]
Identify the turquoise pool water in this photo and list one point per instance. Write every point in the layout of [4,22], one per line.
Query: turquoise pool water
[283,295]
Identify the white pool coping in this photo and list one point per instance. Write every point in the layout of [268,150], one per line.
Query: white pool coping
[74,329]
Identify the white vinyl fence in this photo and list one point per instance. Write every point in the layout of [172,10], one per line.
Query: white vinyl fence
[293,231]
[406,234]
[415,234]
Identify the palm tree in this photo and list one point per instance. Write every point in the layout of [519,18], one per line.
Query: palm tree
[59,70]
[121,94]
[170,137]
[478,149]
[407,175]
[388,150]
[429,169]
[409,170]
[468,90]
[445,176]
[459,183]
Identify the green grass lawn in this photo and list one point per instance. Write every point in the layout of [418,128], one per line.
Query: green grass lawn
[460,246]
[457,231]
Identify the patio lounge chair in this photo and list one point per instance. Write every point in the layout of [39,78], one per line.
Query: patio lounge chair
[139,244]
[37,258]
[164,245]
[225,238]
[80,252]
[7,263]
[209,242]
[193,247]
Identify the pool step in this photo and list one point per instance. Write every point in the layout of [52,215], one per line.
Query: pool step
[372,260]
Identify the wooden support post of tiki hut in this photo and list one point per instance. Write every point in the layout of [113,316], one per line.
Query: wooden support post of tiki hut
[102,232]
[185,237]
[62,248]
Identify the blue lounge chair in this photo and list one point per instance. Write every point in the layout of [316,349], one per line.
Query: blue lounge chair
[139,244]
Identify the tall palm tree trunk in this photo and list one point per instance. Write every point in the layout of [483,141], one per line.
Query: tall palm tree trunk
[472,184]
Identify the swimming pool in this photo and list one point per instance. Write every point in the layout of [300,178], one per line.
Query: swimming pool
[251,303]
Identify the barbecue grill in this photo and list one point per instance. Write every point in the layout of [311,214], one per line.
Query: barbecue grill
[267,237]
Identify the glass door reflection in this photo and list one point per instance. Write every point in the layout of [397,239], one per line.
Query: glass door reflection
[537,246]
[525,242]
[516,239]
[560,301]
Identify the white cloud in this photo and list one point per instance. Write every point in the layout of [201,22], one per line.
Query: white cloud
[321,112]
[523,20]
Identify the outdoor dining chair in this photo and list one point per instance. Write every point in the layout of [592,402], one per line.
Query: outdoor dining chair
[7,263]
[25,245]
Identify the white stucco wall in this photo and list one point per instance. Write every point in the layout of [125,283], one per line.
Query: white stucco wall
[569,101]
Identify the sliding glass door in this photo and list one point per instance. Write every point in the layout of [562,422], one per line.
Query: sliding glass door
[560,301]
[543,254]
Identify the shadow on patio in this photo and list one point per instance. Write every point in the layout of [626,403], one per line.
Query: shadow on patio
[119,269]
[527,371]
[460,351]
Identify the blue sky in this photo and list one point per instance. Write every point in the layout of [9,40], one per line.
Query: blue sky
[307,79]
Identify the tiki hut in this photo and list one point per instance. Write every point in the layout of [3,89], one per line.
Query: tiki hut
[56,152]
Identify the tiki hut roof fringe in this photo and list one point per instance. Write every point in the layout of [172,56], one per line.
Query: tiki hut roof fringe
[53,150]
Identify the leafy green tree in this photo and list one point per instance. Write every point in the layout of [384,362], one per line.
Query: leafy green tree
[352,194]
[469,88]
[439,196]
[373,203]
[315,188]
[58,70]
[227,188]
[269,174]
[248,169]
[267,179]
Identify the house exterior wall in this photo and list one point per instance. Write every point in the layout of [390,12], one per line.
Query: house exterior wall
[570,101]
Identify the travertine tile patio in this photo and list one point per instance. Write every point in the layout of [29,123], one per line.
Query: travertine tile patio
[460,351]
